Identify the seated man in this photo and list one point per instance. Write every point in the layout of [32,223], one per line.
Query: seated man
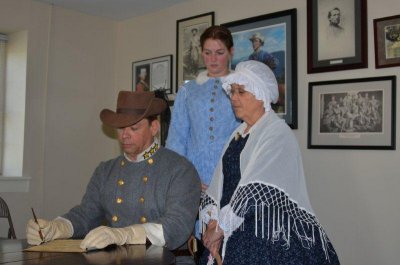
[149,192]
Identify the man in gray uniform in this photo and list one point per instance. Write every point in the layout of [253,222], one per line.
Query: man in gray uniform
[148,192]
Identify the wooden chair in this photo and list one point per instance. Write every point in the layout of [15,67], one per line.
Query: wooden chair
[5,213]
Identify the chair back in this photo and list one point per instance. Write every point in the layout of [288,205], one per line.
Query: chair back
[5,213]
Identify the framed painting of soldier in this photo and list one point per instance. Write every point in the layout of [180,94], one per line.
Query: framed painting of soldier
[271,39]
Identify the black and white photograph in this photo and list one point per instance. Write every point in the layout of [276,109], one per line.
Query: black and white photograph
[161,75]
[188,51]
[349,112]
[336,26]
[192,60]
[352,114]
[337,35]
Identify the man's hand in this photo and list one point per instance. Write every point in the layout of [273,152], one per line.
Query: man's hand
[103,236]
[212,238]
[56,229]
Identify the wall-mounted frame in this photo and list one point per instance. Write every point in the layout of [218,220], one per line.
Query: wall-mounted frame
[152,74]
[336,35]
[188,51]
[387,41]
[277,35]
[352,113]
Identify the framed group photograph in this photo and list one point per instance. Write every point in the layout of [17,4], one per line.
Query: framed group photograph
[336,35]
[188,51]
[387,41]
[271,39]
[153,74]
[352,114]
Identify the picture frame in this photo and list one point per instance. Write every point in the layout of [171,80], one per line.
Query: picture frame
[188,51]
[387,41]
[277,35]
[352,114]
[342,22]
[153,74]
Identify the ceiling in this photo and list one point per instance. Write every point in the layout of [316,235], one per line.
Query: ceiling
[115,9]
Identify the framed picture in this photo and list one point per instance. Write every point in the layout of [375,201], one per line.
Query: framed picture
[152,74]
[387,41]
[336,35]
[271,39]
[352,113]
[188,51]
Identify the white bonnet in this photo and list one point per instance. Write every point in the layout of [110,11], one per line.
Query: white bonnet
[257,78]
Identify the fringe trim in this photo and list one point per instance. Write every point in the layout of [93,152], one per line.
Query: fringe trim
[266,199]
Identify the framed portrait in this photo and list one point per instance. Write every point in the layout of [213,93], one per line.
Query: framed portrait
[352,113]
[271,39]
[387,41]
[188,51]
[153,74]
[336,35]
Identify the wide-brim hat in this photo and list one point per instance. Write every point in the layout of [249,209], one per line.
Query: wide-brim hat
[132,107]
[257,35]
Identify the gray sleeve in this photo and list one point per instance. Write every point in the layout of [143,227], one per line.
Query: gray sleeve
[89,213]
[182,204]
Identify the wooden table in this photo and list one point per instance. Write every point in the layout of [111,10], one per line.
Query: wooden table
[11,253]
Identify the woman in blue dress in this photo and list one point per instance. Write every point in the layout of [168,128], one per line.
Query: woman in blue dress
[256,208]
[202,118]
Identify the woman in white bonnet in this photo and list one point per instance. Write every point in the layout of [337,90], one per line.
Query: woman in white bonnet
[256,209]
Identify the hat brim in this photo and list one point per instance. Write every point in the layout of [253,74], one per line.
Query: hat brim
[121,120]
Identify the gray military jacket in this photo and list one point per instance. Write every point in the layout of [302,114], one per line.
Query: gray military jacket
[163,189]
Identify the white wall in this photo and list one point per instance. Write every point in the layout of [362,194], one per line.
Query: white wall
[353,192]
[70,78]
[77,63]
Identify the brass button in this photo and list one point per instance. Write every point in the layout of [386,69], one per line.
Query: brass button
[143,219]
[141,199]
[115,218]
[145,179]
[122,163]
[150,161]
[119,200]
[121,182]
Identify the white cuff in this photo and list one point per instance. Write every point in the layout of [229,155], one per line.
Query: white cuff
[209,213]
[229,221]
[67,222]
[155,234]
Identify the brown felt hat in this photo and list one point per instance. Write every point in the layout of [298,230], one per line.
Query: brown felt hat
[132,107]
